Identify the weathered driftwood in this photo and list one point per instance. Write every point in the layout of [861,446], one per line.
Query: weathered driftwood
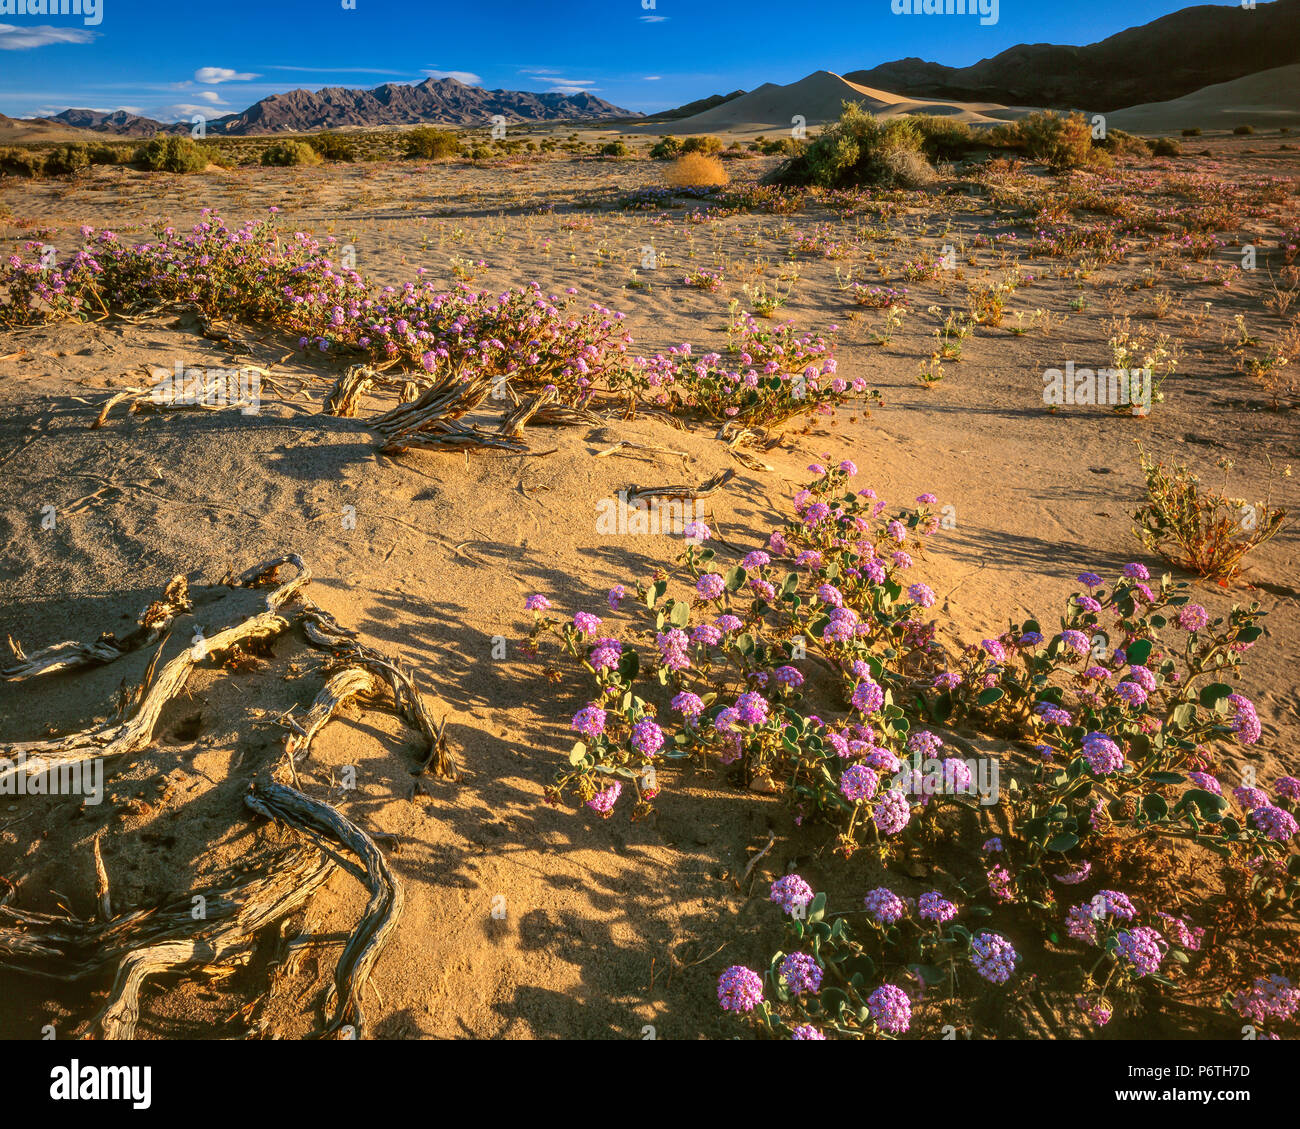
[71,655]
[345,397]
[710,486]
[168,937]
[320,821]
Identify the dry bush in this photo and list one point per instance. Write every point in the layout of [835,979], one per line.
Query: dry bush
[696,170]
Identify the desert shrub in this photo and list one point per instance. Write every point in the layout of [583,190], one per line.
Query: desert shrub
[21,162]
[333,146]
[427,143]
[784,146]
[1060,142]
[942,138]
[696,170]
[101,154]
[614,149]
[859,150]
[285,153]
[1119,143]
[1166,147]
[480,153]
[1199,529]
[66,160]
[171,154]
[706,144]
[1195,131]
[1243,129]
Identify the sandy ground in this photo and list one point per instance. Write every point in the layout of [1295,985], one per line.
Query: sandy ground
[613,926]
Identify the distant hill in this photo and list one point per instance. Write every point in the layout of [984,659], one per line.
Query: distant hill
[1156,62]
[118,123]
[698,106]
[432,102]
[444,101]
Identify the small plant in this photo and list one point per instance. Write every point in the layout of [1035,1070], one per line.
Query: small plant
[696,170]
[288,153]
[614,149]
[1243,130]
[333,147]
[431,144]
[767,301]
[1196,528]
[171,154]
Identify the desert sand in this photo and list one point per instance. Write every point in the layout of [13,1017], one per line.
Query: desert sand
[610,926]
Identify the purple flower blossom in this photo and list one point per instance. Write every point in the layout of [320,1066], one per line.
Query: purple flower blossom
[792,892]
[885,906]
[993,956]
[740,989]
[890,1009]
[858,783]
[801,973]
[933,906]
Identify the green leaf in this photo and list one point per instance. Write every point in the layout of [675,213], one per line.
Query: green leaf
[989,696]
[1213,694]
[816,908]
[1155,806]
[735,578]
[1137,652]
[1063,842]
[681,613]
[579,753]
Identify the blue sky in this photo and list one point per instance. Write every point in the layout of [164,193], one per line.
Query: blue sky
[170,60]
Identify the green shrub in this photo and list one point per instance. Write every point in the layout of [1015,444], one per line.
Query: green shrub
[942,138]
[21,162]
[285,153]
[1118,143]
[480,153]
[1243,129]
[1060,142]
[333,147]
[427,143]
[66,160]
[1195,131]
[860,149]
[171,154]
[668,149]
[105,154]
[785,146]
[614,149]
[1166,147]
[706,145]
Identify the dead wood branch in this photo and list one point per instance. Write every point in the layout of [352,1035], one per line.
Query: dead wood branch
[320,821]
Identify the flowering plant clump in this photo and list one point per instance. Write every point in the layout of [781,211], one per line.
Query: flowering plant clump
[812,670]
[768,375]
[839,979]
[717,676]
[257,274]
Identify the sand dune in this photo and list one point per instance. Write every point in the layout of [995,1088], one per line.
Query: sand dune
[1267,99]
[818,99]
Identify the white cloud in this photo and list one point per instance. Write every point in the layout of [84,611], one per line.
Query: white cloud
[652,78]
[652,19]
[221,74]
[571,89]
[14,38]
[467,77]
[181,112]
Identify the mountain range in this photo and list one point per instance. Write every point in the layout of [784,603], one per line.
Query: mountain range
[445,101]
[1160,61]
